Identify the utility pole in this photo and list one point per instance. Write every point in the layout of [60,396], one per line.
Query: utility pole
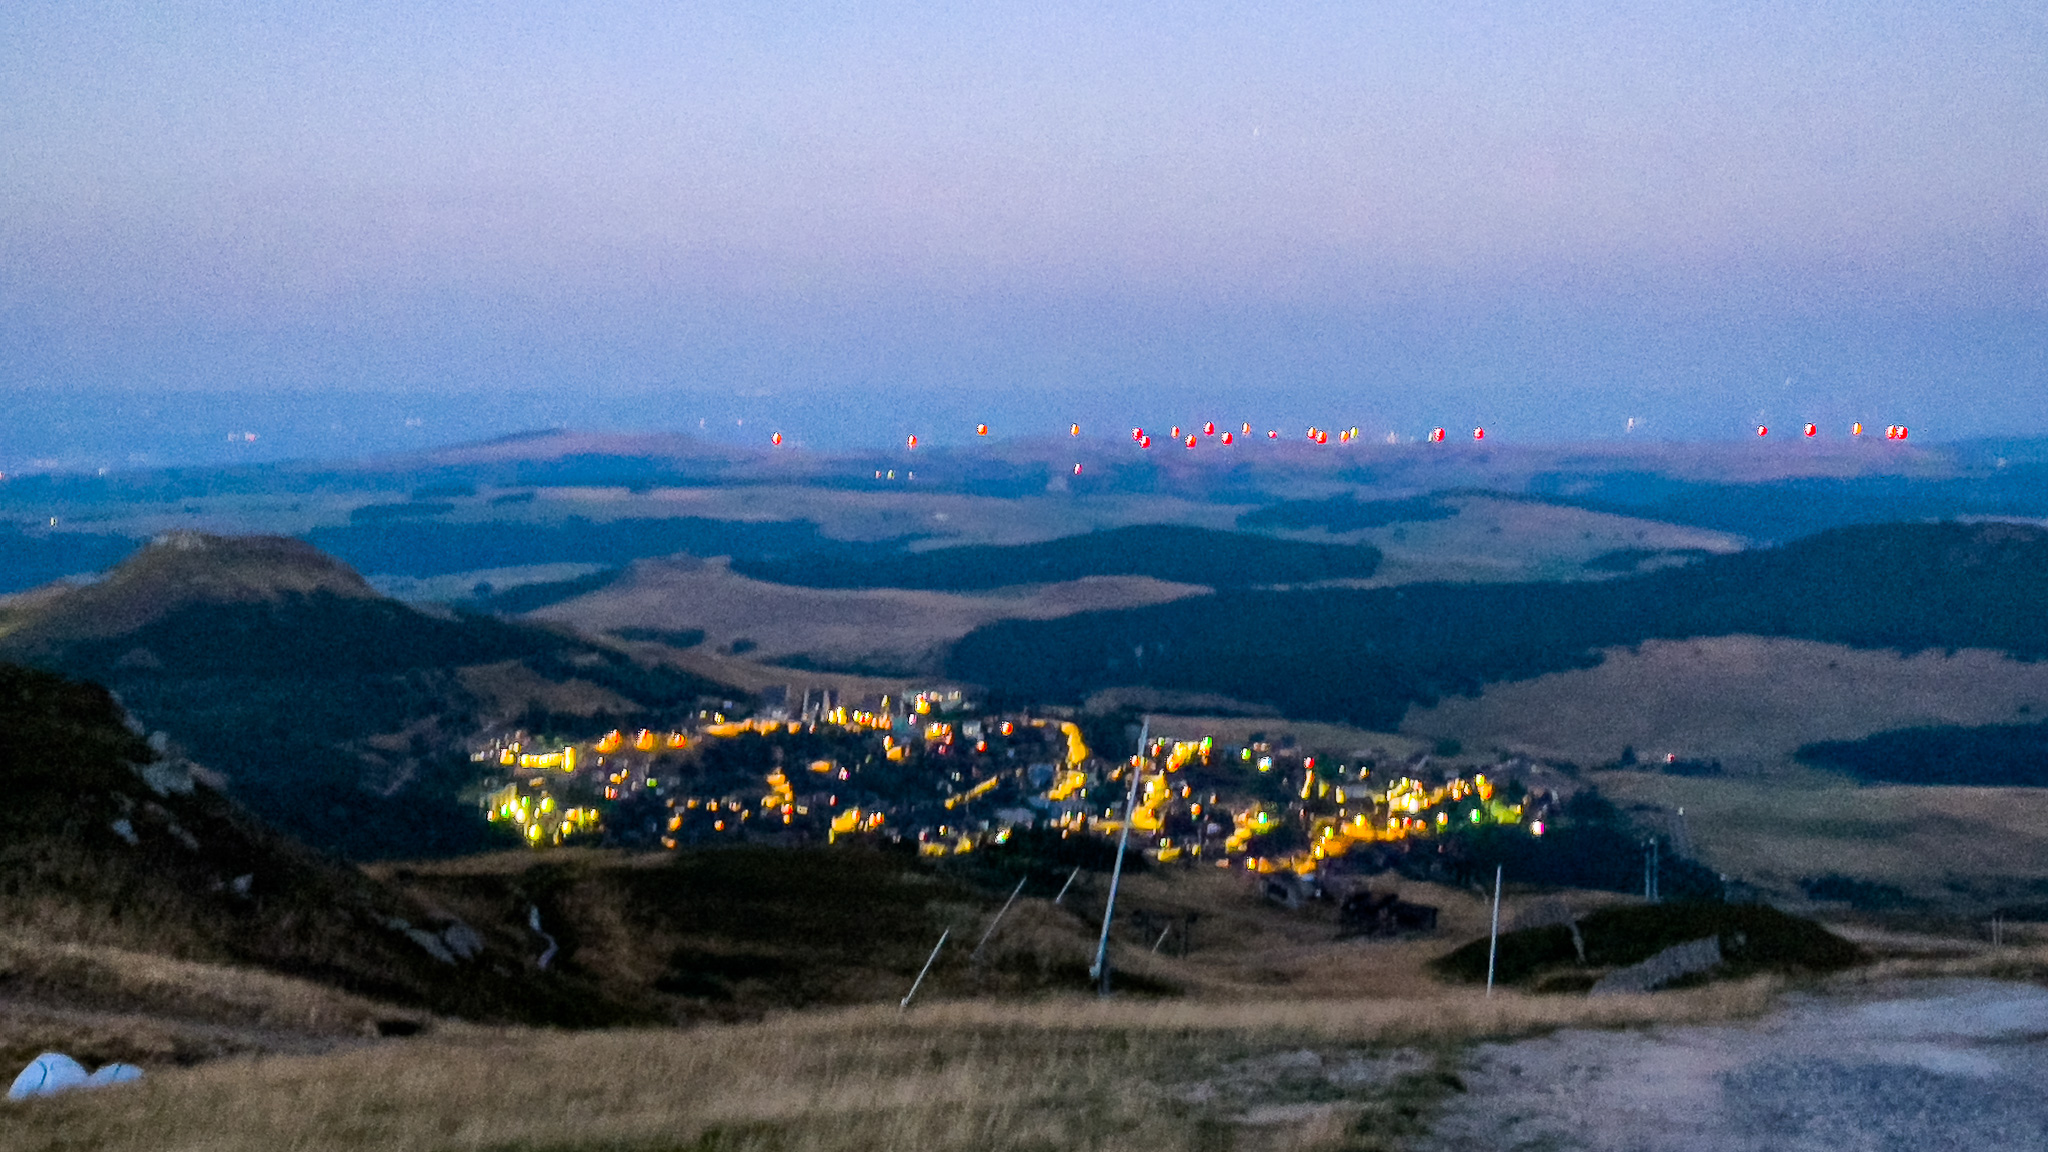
[1650,871]
[1014,893]
[919,982]
[1069,884]
[1493,938]
[1101,969]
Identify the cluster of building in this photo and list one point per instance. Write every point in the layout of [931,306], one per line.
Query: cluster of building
[932,769]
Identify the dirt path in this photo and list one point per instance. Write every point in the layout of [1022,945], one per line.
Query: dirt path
[1923,1066]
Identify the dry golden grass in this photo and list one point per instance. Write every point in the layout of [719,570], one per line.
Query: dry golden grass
[1284,1038]
[883,625]
[102,1003]
[1498,540]
[1066,1073]
[1925,840]
[1960,958]
[1770,696]
[99,975]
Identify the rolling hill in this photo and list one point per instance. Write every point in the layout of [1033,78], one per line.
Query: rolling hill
[424,547]
[891,631]
[1366,656]
[1785,508]
[1174,553]
[1770,696]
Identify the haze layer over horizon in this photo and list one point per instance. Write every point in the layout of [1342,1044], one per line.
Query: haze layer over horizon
[366,227]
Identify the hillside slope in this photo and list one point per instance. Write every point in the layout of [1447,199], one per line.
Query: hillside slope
[104,840]
[336,715]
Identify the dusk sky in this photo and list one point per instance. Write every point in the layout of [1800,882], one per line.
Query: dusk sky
[362,226]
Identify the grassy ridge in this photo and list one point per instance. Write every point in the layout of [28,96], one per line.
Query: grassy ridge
[1347,513]
[1364,656]
[1164,552]
[412,548]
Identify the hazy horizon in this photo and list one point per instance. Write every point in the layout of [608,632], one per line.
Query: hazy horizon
[1545,219]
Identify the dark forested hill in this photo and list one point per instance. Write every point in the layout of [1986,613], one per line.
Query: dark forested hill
[31,558]
[2011,755]
[1165,552]
[336,715]
[1365,655]
[1788,509]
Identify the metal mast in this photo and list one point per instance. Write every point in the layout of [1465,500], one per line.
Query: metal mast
[1101,969]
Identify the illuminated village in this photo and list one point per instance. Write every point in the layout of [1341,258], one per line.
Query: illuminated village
[932,770]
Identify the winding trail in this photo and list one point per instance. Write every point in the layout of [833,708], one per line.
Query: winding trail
[533,922]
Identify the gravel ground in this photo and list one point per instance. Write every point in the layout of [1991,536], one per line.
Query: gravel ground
[1923,1066]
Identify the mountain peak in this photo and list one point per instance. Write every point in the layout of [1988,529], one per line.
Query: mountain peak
[180,569]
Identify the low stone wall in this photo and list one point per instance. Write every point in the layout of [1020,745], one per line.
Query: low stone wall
[1670,964]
